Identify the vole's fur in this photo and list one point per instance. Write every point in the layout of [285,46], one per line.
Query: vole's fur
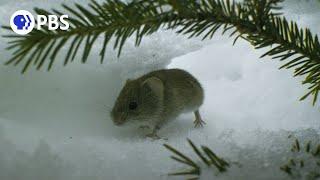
[158,97]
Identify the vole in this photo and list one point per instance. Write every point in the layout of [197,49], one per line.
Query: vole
[158,97]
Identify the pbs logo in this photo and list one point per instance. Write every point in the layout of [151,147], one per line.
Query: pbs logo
[22,22]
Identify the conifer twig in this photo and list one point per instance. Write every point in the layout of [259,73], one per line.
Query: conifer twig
[256,21]
[205,154]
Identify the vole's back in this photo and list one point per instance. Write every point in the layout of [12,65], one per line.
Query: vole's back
[182,92]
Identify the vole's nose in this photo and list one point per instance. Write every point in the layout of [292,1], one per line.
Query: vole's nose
[118,121]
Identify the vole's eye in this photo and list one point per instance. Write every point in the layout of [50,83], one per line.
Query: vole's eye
[133,105]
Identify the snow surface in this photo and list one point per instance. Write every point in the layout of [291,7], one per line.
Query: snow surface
[56,125]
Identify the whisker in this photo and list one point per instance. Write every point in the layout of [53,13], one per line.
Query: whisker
[107,106]
[104,108]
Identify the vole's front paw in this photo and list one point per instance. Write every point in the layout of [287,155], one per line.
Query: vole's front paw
[144,127]
[154,136]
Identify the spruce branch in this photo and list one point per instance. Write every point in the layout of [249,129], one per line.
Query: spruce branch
[205,154]
[256,21]
[111,19]
[306,161]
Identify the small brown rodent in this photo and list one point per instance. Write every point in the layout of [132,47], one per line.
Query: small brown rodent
[157,97]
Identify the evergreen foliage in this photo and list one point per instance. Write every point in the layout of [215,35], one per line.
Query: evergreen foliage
[256,21]
[306,161]
[205,154]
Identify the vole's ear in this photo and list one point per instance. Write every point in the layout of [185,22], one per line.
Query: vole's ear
[128,80]
[155,85]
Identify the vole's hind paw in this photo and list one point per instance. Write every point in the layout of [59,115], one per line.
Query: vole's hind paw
[198,122]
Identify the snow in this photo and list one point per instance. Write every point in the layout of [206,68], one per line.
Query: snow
[56,125]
